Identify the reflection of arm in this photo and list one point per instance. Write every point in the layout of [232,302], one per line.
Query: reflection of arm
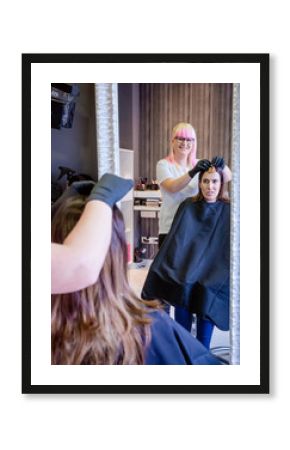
[166,179]
[77,262]
[176,184]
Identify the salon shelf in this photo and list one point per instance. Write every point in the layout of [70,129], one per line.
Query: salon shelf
[146,208]
[147,194]
[148,212]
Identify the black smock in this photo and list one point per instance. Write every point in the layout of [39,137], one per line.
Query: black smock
[191,268]
[171,344]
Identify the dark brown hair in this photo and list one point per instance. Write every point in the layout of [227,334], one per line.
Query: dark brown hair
[105,323]
[221,196]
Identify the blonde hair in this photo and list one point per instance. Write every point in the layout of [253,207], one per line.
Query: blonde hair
[105,323]
[185,130]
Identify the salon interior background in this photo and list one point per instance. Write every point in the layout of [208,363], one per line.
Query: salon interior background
[147,114]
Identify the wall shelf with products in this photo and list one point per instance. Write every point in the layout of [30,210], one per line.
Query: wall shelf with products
[146,208]
[147,202]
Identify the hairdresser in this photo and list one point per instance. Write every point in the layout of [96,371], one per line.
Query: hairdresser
[177,174]
[76,263]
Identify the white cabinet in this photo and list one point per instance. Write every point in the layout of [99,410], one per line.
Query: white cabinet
[147,203]
[126,204]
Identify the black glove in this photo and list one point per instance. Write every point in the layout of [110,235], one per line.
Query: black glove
[218,161]
[110,189]
[202,165]
[76,188]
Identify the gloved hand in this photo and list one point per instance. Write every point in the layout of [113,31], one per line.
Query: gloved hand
[218,161]
[202,165]
[110,189]
[76,188]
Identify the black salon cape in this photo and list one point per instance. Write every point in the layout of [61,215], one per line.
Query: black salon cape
[172,344]
[191,268]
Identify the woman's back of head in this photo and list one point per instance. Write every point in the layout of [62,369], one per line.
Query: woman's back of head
[105,323]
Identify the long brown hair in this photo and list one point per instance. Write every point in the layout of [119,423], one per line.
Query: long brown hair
[105,323]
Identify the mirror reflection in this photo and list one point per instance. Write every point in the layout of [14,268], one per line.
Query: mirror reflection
[175,144]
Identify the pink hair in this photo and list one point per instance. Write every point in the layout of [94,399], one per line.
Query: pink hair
[184,130]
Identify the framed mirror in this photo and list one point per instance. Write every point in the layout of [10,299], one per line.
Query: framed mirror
[226,98]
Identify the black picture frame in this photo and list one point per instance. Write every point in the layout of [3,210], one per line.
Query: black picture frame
[260,59]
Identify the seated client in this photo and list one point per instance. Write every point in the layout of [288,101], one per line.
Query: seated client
[191,269]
